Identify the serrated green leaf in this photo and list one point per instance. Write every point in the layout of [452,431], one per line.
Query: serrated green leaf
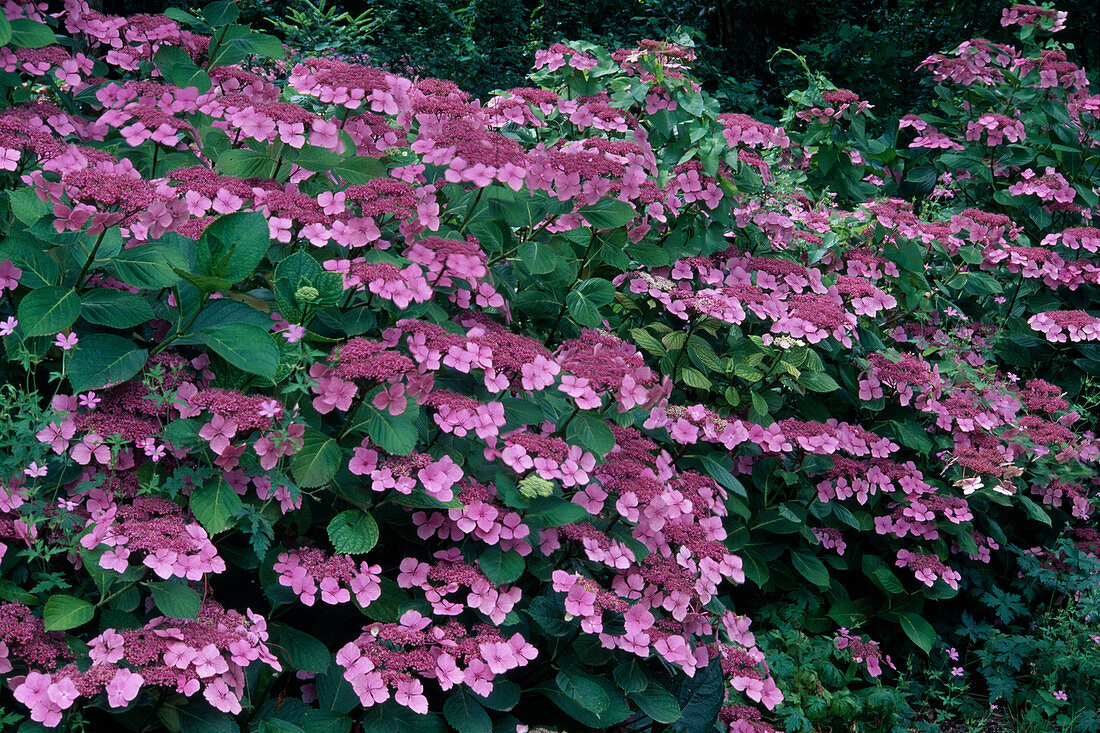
[317,461]
[590,432]
[114,308]
[249,348]
[353,532]
[501,568]
[214,504]
[104,360]
[64,612]
[49,310]
[175,600]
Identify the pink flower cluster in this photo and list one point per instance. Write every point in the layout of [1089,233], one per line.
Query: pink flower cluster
[173,544]
[996,128]
[861,650]
[307,572]
[452,575]
[396,472]
[1058,326]
[389,659]
[481,515]
[1052,186]
[1049,19]
[209,653]
[928,568]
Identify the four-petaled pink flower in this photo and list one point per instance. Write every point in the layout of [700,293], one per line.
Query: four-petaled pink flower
[123,688]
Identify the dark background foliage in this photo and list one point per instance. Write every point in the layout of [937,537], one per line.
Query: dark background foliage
[869,46]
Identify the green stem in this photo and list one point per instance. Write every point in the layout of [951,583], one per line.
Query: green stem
[349,420]
[565,300]
[180,332]
[88,262]
[470,211]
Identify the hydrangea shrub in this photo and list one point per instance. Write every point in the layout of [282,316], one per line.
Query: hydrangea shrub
[336,398]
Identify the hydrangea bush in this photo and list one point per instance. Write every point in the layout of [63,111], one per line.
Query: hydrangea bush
[335,398]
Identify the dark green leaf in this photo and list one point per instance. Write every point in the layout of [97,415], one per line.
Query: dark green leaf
[114,308]
[66,612]
[247,347]
[658,704]
[353,532]
[48,310]
[300,650]
[499,567]
[175,600]
[394,434]
[917,629]
[149,266]
[104,360]
[214,504]
[316,463]
[465,714]
[608,213]
[26,33]
[700,699]
[590,432]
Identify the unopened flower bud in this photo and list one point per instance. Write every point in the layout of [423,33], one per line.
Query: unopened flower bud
[307,294]
[535,486]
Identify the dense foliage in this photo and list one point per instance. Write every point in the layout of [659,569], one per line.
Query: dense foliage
[336,398]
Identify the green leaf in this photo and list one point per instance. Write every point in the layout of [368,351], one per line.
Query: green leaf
[5,30]
[39,268]
[700,699]
[917,629]
[1033,510]
[300,650]
[260,44]
[658,704]
[104,360]
[818,382]
[585,300]
[48,310]
[198,716]
[590,432]
[646,341]
[317,462]
[540,258]
[499,567]
[247,347]
[912,435]
[465,714]
[360,169]
[353,532]
[177,68]
[608,213]
[114,308]
[175,600]
[553,511]
[876,569]
[630,677]
[504,696]
[214,504]
[66,612]
[810,567]
[584,690]
[26,206]
[245,163]
[719,473]
[233,246]
[26,33]
[149,266]
[396,435]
